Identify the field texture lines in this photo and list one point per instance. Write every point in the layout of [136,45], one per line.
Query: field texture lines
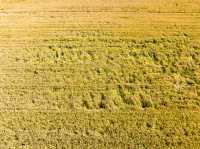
[99,74]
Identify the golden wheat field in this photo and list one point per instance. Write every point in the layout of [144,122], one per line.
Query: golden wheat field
[113,74]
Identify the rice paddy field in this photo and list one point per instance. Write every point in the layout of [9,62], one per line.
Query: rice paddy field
[113,74]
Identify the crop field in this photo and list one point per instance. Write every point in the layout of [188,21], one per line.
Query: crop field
[100,74]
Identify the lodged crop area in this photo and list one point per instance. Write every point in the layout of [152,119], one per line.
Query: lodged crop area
[99,74]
